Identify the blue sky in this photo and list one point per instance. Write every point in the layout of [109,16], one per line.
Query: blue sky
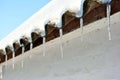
[15,12]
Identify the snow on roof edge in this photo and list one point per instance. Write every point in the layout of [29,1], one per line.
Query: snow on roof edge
[52,11]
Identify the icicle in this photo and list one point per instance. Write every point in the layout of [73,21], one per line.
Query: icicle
[108,20]
[81,26]
[1,73]
[31,46]
[44,46]
[22,62]
[61,44]
[6,57]
[13,55]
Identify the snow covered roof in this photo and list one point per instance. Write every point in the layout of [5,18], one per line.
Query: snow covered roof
[51,12]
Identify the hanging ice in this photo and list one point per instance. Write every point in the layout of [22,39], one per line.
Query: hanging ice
[6,57]
[1,72]
[80,15]
[81,26]
[13,55]
[31,46]
[81,19]
[108,8]
[22,62]
[44,46]
[61,44]
[108,20]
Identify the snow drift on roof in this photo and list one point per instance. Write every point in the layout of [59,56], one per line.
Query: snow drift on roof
[51,12]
